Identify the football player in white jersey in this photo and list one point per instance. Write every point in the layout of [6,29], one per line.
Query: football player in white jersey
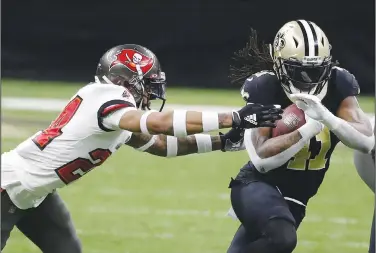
[365,165]
[97,120]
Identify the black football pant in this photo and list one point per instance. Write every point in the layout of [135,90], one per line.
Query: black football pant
[268,221]
[49,226]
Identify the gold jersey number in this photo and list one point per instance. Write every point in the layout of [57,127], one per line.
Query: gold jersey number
[302,161]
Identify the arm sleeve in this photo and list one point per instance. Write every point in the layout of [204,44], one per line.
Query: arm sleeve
[348,135]
[347,86]
[264,165]
[117,101]
[111,121]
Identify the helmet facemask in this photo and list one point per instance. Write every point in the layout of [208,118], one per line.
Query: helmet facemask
[144,90]
[303,76]
[155,90]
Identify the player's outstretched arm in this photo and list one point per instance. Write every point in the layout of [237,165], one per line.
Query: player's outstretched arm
[171,146]
[181,123]
[269,153]
[174,123]
[350,125]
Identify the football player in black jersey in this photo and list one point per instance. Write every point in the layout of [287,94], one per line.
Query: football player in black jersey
[270,194]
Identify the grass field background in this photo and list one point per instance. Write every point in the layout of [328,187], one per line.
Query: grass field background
[139,203]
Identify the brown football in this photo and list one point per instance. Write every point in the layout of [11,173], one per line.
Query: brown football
[292,119]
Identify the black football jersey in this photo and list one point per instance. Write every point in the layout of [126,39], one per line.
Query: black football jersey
[303,174]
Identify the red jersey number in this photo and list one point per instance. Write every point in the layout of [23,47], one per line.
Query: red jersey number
[54,130]
[80,166]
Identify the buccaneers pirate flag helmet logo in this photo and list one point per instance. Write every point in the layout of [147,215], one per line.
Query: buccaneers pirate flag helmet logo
[135,61]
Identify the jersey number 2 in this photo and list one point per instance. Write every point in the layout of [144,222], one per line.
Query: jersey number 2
[78,167]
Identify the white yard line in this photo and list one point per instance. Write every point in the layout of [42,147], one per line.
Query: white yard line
[145,210]
[308,244]
[153,211]
[53,105]
[125,234]
[163,193]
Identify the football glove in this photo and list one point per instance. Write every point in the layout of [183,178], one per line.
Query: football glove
[233,140]
[256,115]
[311,105]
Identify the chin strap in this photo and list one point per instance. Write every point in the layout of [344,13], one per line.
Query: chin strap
[96,78]
[140,106]
[105,78]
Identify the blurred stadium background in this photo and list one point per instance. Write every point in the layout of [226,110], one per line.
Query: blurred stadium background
[140,203]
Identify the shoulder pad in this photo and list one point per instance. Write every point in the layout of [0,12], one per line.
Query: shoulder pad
[345,82]
[258,87]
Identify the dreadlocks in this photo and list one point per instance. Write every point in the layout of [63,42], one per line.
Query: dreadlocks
[253,58]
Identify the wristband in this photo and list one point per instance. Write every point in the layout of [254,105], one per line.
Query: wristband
[204,143]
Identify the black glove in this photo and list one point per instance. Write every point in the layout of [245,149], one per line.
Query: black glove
[256,115]
[232,140]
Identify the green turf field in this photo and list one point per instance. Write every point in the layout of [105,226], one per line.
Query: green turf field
[139,203]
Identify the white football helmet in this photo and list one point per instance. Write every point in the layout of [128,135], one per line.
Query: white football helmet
[301,58]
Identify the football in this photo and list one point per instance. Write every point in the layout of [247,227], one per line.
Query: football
[292,119]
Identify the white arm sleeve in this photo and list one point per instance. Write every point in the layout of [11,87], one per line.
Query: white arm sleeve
[112,121]
[270,163]
[348,134]
[263,165]
[113,101]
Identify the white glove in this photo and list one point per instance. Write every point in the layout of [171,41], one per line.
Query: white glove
[311,105]
[347,134]
[311,128]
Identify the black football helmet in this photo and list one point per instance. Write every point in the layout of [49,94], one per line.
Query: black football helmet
[136,68]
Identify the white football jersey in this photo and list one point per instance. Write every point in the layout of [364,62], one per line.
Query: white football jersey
[75,142]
